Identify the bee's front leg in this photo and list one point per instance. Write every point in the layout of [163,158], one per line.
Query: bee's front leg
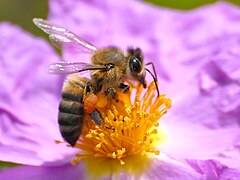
[125,88]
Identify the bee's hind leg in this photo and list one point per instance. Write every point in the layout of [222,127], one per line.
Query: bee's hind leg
[96,117]
[125,88]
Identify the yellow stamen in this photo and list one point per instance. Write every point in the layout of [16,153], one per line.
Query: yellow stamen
[135,123]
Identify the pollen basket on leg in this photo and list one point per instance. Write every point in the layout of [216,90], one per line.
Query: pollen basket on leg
[135,127]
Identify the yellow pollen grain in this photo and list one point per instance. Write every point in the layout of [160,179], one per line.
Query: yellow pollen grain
[98,145]
[134,121]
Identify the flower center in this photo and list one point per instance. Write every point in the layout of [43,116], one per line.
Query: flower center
[135,129]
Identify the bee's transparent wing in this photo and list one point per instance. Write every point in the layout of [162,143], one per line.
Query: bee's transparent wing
[62,67]
[63,38]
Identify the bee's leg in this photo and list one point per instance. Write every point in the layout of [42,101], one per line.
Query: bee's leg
[89,87]
[125,88]
[96,117]
[110,92]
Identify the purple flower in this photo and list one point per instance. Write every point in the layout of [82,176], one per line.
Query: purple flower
[197,58]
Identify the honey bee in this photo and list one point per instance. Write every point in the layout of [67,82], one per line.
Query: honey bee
[109,68]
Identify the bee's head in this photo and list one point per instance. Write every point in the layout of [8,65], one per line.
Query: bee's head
[137,69]
[136,65]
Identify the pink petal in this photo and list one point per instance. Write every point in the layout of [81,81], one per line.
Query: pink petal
[195,37]
[29,99]
[214,170]
[166,168]
[161,168]
[204,120]
[38,173]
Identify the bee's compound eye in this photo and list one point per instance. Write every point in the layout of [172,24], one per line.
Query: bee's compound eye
[135,65]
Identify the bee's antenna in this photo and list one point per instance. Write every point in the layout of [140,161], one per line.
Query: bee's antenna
[155,80]
[151,63]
